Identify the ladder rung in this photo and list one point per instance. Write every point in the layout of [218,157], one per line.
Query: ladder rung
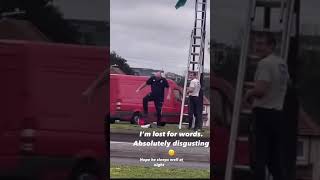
[185,105]
[249,84]
[195,54]
[197,28]
[257,30]
[194,62]
[242,167]
[200,11]
[199,19]
[243,139]
[196,45]
[271,4]
[253,56]
[246,112]
[197,37]
[186,114]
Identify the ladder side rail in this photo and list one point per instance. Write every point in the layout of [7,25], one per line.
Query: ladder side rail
[185,82]
[284,29]
[289,28]
[202,41]
[238,95]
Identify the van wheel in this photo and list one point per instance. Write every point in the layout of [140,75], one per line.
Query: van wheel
[162,123]
[135,118]
[112,120]
[86,171]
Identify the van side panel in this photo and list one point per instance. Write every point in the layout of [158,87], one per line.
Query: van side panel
[132,102]
[12,95]
[58,76]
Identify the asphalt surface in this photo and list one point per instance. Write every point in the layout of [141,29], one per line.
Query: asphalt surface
[123,152]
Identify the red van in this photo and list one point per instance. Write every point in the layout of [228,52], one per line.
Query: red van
[223,95]
[126,104]
[47,130]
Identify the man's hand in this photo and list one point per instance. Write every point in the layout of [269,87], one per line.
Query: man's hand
[88,94]
[138,90]
[168,97]
[247,101]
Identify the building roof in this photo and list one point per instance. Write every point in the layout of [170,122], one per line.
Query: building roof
[14,29]
[115,70]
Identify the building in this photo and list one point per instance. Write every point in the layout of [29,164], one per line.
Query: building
[144,71]
[308,148]
[175,77]
[206,112]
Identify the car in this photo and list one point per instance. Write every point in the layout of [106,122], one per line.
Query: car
[47,129]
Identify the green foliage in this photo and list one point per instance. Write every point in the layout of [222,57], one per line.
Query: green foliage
[45,16]
[120,62]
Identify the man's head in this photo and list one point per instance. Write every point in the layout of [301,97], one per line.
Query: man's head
[157,75]
[264,43]
[193,75]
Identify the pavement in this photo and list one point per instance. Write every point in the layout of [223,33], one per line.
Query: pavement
[123,152]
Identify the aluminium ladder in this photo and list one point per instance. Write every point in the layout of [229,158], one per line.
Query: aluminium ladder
[196,50]
[286,20]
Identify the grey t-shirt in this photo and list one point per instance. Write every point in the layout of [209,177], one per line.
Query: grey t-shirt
[274,70]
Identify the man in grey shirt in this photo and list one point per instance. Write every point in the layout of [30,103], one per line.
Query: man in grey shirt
[270,85]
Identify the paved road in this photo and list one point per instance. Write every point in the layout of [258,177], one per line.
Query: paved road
[126,153]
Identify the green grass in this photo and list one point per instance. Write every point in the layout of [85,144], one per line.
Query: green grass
[125,171]
[131,128]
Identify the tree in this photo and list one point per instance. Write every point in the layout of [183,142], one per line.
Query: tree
[44,15]
[115,59]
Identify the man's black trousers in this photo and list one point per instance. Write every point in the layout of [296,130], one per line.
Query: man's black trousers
[158,102]
[269,129]
[195,110]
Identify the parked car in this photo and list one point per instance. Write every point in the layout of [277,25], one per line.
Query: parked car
[47,131]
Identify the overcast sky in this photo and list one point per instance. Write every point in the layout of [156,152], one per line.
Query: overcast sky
[153,34]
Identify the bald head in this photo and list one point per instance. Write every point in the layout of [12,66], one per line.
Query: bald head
[158,74]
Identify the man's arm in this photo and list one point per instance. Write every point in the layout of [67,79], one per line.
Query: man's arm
[262,83]
[191,87]
[99,82]
[260,89]
[143,85]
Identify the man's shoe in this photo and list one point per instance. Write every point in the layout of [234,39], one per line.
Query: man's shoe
[146,126]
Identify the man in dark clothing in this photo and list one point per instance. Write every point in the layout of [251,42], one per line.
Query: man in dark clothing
[158,84]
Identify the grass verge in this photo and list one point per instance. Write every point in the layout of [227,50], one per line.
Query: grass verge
[126,171]
[124,127]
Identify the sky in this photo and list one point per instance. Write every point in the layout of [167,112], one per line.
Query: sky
[153,34]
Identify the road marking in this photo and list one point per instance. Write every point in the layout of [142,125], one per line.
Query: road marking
[119,142]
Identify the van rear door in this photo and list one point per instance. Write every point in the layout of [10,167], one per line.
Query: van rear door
[12,95]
